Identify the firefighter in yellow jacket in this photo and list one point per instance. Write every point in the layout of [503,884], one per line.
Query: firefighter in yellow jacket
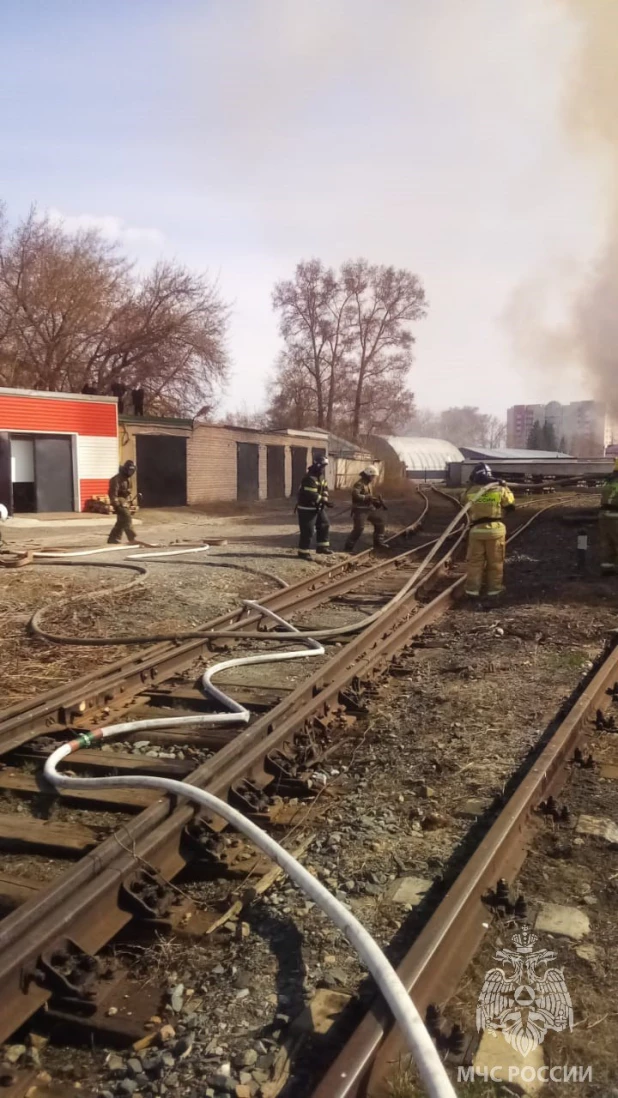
[487,539]
[608,523]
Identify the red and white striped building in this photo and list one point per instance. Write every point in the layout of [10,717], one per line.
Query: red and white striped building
[56,449]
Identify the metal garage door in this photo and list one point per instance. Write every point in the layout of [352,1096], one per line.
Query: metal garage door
[53,473]
[275,472]
[299,466]
[247,470]
[161,470]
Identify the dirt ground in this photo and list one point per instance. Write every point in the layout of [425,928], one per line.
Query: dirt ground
[178,593]
[388,832]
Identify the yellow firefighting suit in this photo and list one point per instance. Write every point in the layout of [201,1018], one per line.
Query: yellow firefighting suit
[608,524]
[487,539]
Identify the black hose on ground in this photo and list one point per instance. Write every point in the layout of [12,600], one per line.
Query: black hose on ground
[224,634]
[35,628]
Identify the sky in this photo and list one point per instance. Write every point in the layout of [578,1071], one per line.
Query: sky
[241,136]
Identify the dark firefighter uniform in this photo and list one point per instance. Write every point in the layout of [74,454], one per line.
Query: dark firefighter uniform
[608,522]
[311,505]
[120,499]
[487,538]
[366,507]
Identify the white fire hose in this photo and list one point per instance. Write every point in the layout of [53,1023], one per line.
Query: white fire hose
[418,1041]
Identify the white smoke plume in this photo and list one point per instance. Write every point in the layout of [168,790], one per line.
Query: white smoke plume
[585,338]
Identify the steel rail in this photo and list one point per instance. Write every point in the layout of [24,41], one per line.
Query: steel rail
[87,901]
[86,698]
[436,962]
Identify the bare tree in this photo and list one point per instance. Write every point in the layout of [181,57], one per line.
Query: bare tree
[312,322]
[423,424]
[495,432]
[384,302]
[347,347]
[292,398]
[464,426]
[73,314]
[243,416]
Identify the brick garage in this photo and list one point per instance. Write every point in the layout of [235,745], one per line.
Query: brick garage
[231,463]
[181,463]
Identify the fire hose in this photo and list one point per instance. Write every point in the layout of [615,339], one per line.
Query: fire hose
[418,1041]
[35,627]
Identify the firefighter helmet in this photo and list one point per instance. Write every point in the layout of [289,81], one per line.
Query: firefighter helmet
[481,474]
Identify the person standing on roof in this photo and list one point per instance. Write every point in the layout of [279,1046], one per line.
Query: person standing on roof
[311,505]
[366,507]
[120,499]
[608,523]
[488,499]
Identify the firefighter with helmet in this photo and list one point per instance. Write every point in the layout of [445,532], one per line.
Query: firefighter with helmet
[120,498]
[366,507]
[488,500]
[608,523]
[311,504]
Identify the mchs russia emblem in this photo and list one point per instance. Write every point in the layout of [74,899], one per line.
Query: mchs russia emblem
[525,998]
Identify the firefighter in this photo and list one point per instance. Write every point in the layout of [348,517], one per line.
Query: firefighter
[311,505]
[608,523]
[120,499]
[487,538]
[366,507]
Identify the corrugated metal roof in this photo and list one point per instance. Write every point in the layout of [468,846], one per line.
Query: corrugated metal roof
[424,453]
[510,455]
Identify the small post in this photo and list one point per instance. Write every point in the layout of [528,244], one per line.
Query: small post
[582,550]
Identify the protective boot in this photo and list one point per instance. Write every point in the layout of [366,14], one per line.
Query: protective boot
[324,551]
[304,554]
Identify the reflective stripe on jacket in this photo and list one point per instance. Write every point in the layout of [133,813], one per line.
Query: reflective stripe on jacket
[486,505]
[312,494]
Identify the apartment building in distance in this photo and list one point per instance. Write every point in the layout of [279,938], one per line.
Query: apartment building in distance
[583,428]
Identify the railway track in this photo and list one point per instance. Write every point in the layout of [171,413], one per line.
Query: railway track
[482,896]
[48,941]
[92,897]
